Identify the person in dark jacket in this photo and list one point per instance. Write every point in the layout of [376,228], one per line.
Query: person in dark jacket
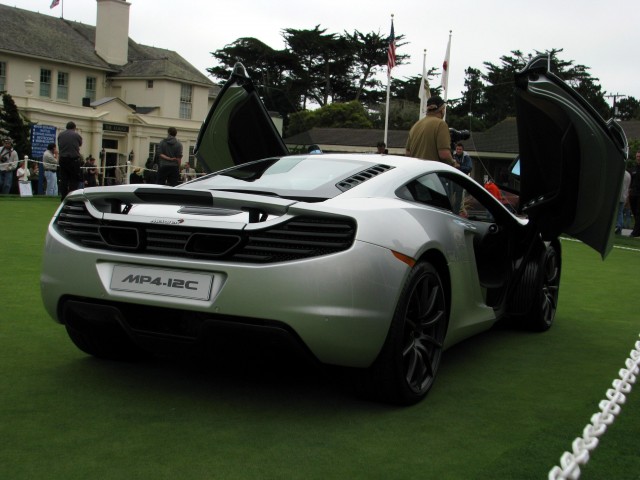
[69,143]
[169,160]
[634,196]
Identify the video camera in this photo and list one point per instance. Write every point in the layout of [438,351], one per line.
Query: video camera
[457,136]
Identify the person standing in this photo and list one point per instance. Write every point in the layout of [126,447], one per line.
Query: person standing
[170,157]
[69,143]
[8,163]
[381,148]
[50,165]
[34,172]
[135,176]
[429,137]
[634,196]
[624,196]
[188,173]
[465,165]
[150,174]
[90,172]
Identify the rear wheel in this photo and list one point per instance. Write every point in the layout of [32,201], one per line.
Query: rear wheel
[407,366]
[536,298]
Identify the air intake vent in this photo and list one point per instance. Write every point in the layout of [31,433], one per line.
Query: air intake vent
[299,238]
[363,176]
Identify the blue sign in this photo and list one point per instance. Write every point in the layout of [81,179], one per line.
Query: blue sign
[41,136]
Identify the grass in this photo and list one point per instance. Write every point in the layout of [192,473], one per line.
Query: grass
[506,404]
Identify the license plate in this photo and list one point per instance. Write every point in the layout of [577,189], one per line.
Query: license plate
[156,281]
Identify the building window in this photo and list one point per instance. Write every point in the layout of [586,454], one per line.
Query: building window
[149,83]
[45,83]
[185,101]
[110,143]
[192,157]
[3,76]
[63,86]
[153,148]
[90,88]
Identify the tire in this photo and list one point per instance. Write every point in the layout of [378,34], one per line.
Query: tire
[407,365]
[537,295]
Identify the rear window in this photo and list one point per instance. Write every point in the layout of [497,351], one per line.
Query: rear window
[292,176]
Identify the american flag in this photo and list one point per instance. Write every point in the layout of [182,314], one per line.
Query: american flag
[391,52]
[55,3]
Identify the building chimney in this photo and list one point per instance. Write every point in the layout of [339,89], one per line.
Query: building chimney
[112,31]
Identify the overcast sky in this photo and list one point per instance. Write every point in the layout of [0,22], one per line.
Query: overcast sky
[602,35]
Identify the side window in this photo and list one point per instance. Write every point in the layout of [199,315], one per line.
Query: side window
[428,189]
[445,193]
[464,203]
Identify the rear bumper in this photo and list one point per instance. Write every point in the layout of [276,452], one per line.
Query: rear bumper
[339,306]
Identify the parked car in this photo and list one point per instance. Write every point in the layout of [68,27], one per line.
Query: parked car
[357,259]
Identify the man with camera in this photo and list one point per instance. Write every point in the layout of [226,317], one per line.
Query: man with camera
[429,138]
[465,164]
[8,163]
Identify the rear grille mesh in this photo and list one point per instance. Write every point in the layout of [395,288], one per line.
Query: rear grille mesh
[299,238]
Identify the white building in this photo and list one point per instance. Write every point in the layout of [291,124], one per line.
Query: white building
[122,95]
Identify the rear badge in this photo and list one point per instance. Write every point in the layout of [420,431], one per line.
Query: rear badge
[167,221]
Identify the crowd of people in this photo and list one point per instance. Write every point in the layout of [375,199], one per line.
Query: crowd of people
[64,169]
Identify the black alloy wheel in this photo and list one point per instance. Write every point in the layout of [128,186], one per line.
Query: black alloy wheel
[535,300]
[407,366]
[550,288]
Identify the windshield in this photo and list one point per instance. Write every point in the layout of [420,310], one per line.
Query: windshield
[292,176]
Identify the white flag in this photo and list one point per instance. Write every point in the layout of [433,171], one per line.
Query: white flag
[445,70]
[424,93]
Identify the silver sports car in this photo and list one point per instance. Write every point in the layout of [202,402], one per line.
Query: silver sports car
[360,260]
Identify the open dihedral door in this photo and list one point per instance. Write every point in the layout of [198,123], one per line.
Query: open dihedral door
[571,160]
[238,128]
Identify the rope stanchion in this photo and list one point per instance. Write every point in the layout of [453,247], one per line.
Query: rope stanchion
[610,408]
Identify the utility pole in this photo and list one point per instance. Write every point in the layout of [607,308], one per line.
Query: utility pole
[615,97]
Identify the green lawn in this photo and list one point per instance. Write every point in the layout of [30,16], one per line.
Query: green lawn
[506,404]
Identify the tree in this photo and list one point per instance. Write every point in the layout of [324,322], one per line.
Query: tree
[489,97]
[322,59]
[627,108]
[268,68]
[467,112]
[315,67]
[13,125]
[336,115]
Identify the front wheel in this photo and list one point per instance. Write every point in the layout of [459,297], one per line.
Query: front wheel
[408,363]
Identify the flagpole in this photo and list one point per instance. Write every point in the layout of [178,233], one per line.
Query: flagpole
[386,117]
[389,67]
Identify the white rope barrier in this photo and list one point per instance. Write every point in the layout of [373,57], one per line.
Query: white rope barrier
[610,408]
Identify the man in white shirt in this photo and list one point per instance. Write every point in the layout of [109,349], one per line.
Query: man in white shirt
[50,164]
